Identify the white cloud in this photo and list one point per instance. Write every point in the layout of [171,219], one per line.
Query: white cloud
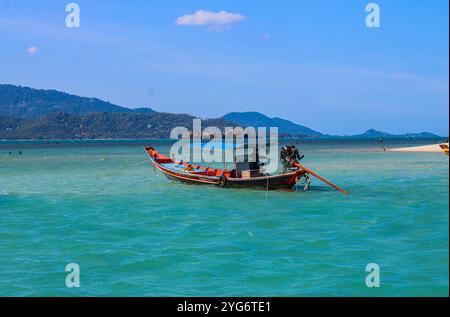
[214,20]
[32,50]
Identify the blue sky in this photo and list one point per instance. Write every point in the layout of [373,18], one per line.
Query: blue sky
[312,62]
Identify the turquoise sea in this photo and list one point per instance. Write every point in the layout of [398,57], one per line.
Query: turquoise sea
[134,233]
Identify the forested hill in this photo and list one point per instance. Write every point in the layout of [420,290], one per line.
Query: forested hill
[24,102]
[100,125]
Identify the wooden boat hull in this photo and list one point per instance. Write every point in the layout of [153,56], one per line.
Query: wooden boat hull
[281,181]
[220,178]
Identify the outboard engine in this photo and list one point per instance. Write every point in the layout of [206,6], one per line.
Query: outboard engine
[288,156]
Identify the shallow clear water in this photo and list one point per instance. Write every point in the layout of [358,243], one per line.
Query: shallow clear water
[134,233]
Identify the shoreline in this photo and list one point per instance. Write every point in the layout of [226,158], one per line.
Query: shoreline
[422,148]
[334,138]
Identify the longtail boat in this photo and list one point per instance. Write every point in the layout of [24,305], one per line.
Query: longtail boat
[190,173]
[444,148]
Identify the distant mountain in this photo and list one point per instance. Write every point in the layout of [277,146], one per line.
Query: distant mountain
[374,134]
[27,113]
[256,119]
[24,102]
[99,125]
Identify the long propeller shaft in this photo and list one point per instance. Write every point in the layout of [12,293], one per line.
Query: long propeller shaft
[321,178]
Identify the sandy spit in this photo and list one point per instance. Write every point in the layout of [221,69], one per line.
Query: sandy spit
[423,148]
